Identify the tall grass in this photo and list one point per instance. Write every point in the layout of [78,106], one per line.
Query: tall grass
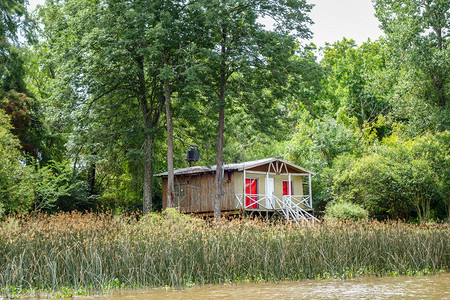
[49,252]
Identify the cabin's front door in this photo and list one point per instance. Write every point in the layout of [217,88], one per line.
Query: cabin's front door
[270,189]
[251,192]
[286,190]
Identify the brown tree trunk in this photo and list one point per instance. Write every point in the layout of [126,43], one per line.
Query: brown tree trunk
[91,176]
[170,179]
[148,143]
[219,168]
[148,176]
[219,161]
[427,209]
[419,212]
[91,179]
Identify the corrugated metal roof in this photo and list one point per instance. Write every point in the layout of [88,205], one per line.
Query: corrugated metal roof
[190,170]
[247,164]
[236,166]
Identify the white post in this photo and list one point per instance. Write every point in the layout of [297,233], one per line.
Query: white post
[290,190]
[265,189]
[310,190]
[243,199]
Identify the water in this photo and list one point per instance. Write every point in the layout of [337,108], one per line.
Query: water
[402,287]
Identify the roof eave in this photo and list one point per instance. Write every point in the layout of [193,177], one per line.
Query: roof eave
[281,160]
[260,164]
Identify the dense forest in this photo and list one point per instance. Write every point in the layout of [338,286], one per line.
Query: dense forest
[96,96]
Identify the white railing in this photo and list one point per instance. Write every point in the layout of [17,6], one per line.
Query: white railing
[300,200]
[292,207]
[261,201]
[295,208]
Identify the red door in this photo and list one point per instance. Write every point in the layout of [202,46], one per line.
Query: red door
[251,191]
[286,189]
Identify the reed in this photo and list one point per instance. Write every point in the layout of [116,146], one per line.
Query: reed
[86,252]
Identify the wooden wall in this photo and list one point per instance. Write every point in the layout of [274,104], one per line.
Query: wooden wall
[200,193]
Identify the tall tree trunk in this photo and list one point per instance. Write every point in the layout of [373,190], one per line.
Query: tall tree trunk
[148,143]
[170,179]
[219,168]
[148,176]
[219,161]
[91,179]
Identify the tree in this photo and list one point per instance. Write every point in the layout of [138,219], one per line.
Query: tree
[398,178]
[13,17]
[417,37]
[350,86]
[16,189]
[106,75]
[236,48]
[316,145]
[15,99]
[372,181]
[178,22]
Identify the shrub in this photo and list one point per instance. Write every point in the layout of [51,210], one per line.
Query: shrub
[339,211]
[16,190]
[398,179]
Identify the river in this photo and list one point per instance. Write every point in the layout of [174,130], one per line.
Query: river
[401,287]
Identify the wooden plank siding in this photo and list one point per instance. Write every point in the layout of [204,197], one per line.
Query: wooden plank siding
[199,193]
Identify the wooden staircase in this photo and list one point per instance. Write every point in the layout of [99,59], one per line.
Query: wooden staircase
[297,215]
[295,210]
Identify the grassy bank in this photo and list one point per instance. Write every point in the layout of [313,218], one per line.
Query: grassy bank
[78,253]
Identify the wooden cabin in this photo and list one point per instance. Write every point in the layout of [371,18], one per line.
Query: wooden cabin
[266,185]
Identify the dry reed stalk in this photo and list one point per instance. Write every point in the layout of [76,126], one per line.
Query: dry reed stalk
[90,251]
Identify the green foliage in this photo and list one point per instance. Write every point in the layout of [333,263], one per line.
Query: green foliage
[15,99]
[27,124]
[110,103]
[398,178]
[86,102]
[107,61]
[352,84]
[368,182]
[75,197]
[51,183]
[13,17]
[418,64]
[123,192]
[340,211]
[25,186]
[16,190]
[248,71]
[315,145]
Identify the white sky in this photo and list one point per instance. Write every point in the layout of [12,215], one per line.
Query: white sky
[334,19]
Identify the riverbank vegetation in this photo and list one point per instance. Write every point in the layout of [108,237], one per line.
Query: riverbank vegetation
[82,253]
[93,92]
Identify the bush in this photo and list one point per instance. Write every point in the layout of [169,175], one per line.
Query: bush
[16,190]
[398,179]
[339,211]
